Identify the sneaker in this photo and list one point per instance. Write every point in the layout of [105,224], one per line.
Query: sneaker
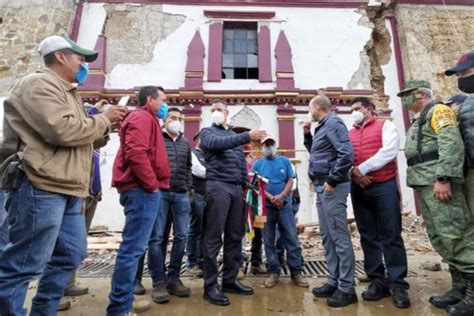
[241,274]
[141,306]
[272,280]
[299,280]
[160,294]
[400,298]
[196,272]
[324,291]
[341,299]
[63,305]
[260,269]
[377,290]
[76,291]
[139,289]
[177,288]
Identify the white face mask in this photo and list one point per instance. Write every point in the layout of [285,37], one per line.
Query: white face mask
[357,116]
[218,117]
[270,151]
[174,127]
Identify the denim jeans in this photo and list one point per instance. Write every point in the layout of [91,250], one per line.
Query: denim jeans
[178,204]
[280,245]
[332,214]
[47,238]
[140,208]
[194,245]
[379,220]
[285,220]
[3,223]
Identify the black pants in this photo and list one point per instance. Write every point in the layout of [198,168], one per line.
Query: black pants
[224,213]
[379,220]
[256,249]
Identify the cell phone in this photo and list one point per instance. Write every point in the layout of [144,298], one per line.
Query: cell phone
[124,100]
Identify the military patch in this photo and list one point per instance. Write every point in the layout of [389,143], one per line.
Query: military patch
[442,116]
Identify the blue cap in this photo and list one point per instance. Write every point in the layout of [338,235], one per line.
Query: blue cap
[457,98]
[466,61]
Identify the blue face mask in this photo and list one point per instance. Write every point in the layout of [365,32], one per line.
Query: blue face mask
[82,73]
[162,113]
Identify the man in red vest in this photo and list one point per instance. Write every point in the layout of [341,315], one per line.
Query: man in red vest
[376,202]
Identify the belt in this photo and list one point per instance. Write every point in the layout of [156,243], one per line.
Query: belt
[430,156]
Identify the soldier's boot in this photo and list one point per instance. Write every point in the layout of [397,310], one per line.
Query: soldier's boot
[466,306]
[454,295]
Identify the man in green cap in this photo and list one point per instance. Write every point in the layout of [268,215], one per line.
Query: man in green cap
[435,157]
[46,157]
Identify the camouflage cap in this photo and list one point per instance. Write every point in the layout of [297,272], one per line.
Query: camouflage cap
[413,85]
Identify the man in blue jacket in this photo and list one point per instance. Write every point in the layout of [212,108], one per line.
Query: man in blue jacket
[331,158]
[226,176]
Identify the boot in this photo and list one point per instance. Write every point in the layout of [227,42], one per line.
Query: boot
[466,306]
[454,295]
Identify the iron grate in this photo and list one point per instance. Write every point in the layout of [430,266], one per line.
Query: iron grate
[316,268]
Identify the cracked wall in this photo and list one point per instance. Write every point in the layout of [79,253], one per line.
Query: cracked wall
[24,24]
[133,31]
[432,38]
[376,53]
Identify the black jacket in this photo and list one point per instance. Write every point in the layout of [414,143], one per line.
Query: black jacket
[225,159]
[180,160]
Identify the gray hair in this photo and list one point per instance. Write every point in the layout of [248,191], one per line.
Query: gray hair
[322,101]
[428,92]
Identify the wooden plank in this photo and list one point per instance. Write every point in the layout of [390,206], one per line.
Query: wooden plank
[110,246]
[105,239]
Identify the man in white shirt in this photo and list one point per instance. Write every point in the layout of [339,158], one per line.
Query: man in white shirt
[376,202]
[198,203]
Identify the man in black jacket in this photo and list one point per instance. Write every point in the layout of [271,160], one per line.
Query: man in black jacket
[226,176]
[175,203]
[330,159]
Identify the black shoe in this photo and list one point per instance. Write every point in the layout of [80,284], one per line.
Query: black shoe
[216,297]
[378,289]
[466,306]
[341,299]
[237,288]
[139,289]
[400,298]
[324,291]
[452,297]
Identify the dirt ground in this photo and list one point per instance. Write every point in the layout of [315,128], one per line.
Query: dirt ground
[285,298]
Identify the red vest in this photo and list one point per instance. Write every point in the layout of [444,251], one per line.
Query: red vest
[367,141]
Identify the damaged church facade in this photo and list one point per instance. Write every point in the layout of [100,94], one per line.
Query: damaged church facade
[266,59]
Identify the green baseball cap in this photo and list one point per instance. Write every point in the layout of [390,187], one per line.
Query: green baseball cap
[54,43]
[413,85]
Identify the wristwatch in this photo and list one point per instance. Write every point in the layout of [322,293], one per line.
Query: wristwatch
[442,179]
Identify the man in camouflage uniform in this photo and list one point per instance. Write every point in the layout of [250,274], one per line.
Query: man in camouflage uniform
[435,157]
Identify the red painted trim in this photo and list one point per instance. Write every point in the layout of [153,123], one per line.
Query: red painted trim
[401,82]
[239,14]
[284,64]
[264,55]
[195,64]
[96,81]
[439,2]
[286,134]
[271,3]
[399,63]
[216,33]
[77,21]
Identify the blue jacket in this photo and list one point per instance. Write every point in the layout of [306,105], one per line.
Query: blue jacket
[331,152]
[466,125]
[225,160]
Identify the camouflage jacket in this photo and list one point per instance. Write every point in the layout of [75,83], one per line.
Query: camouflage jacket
[440,133]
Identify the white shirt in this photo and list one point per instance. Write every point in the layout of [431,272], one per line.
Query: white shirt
[197,169]
[388,152]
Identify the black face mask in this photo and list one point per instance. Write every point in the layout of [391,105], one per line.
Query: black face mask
[466,84]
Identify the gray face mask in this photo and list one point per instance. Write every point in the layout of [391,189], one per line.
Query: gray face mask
[270,151]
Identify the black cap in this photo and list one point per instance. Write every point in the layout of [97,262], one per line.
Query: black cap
[466,61]
[457,98]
